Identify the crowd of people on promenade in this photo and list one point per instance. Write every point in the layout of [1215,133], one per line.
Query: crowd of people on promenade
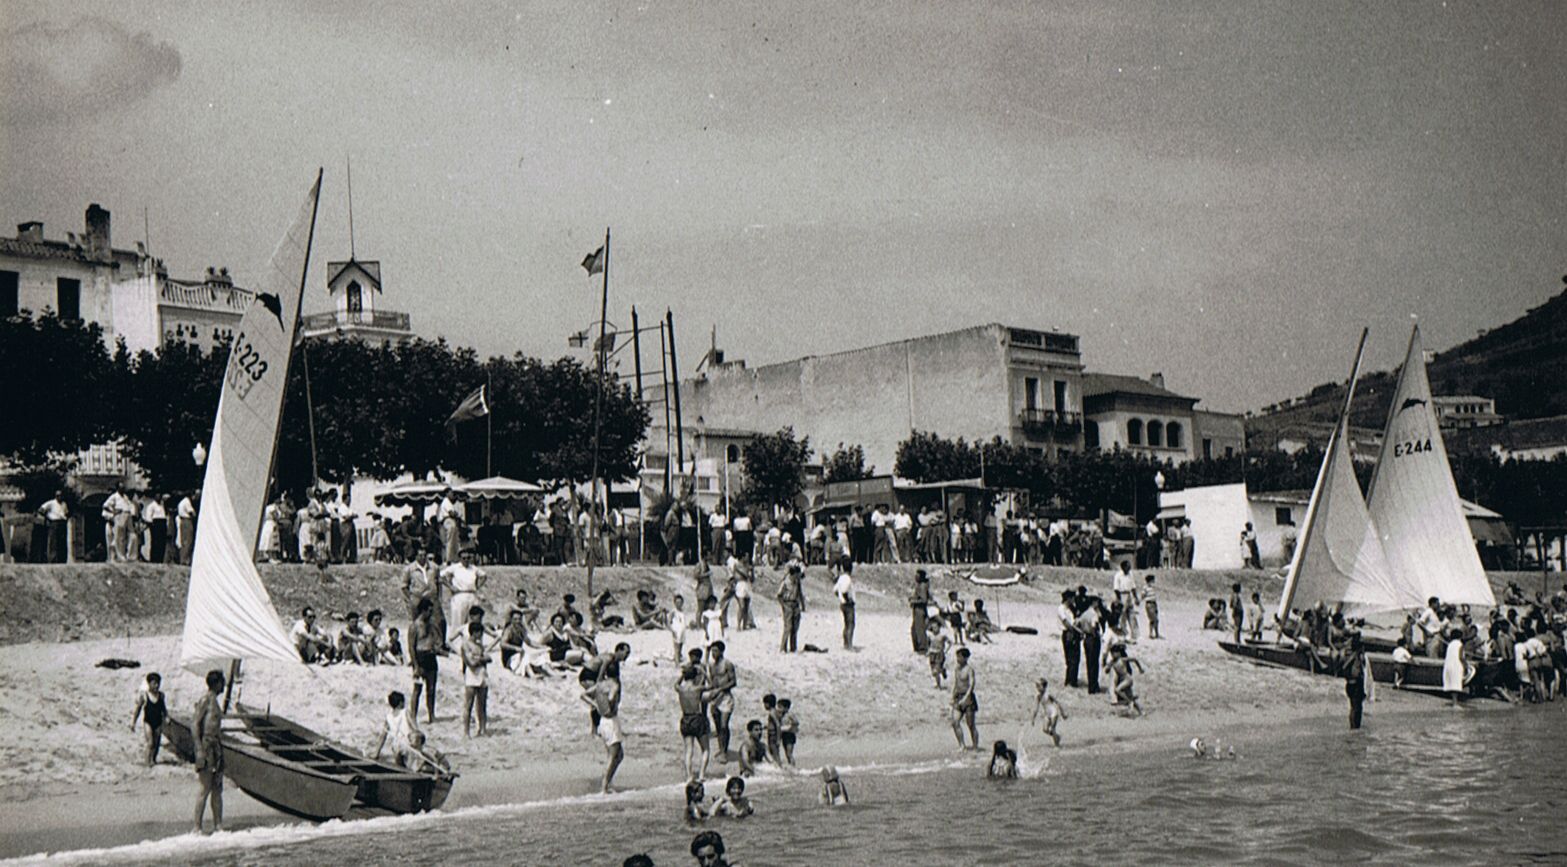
[138,527]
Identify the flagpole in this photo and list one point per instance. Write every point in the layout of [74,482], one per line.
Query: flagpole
[489,425]
[598,411]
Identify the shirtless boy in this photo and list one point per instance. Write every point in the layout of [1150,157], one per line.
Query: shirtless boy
[1054,713]
[965,704]
[693,720]
[604,697]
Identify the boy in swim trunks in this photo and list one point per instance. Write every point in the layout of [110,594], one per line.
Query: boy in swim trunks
[1121,666]
[206,731]
[693,719]
[1054,713]
[788,729]
[965,704]
[604,697]
[936,651]
[721,679]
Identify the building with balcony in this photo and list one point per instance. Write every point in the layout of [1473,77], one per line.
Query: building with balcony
[977,383]
[354,286]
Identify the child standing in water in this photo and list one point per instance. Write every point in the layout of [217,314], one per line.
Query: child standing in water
[770,711]
[695,810]
[788,729]
[150,709]
[1054,713]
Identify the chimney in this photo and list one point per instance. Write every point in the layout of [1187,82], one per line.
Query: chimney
[1157,379]
[30,231]
[96,237]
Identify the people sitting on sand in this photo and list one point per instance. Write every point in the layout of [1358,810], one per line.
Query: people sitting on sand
[980,627]
[833,793]
[1003,763]
[530,614]
[734,804]
[557,638]
[568,610]
[1216,615]
[520,653]
[601,615]
[645,612]
[351,644]
[390,651]
[309,640]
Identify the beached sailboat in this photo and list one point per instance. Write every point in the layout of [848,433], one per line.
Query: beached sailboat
[229,616]
[1349,557]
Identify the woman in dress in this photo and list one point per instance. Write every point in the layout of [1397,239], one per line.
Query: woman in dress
[1453,666]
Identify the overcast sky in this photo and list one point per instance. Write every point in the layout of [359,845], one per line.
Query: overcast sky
[1223,192]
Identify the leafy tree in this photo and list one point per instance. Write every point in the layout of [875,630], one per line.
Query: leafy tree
[847,464]
[168,406]
[775,467]
[59,386]
[926,457]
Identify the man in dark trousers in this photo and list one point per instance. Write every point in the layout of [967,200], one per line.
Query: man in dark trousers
[919,605]
[1089,623]
[1071,638]
[1355,680]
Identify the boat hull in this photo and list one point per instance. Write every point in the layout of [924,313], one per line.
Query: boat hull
[382,785]
[1421,673]
[281,784]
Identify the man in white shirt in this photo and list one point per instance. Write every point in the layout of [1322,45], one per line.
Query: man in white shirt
[121,512]
[882,536]
[903,533]
[56,515]
[843,588]
[312,643]
[157,521]
[1430,624]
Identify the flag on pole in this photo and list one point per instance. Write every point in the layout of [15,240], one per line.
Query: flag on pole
[473,406]
[594,262]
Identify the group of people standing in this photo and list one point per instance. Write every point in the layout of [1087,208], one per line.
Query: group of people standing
[138,527]
[321,530]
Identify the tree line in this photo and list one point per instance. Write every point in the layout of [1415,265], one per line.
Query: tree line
[379,410]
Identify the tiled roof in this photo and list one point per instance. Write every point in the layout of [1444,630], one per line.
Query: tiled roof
[372,269]
[1115,383]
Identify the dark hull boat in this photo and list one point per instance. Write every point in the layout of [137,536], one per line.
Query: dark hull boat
[1422,673]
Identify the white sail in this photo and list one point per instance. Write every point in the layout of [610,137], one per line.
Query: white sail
[1415,503]
[1340,558]
[228,614]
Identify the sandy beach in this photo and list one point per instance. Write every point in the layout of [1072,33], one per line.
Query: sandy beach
[70,759]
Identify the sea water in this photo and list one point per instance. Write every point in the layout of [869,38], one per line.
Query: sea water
[1466,786]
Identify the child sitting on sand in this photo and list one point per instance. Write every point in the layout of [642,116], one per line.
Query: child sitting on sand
[1054,713]
[734,804]
[1003,763]
[696,811]
[980,627]
[788,729]
[754,751]
[834,793]
[391,651]
[937,652]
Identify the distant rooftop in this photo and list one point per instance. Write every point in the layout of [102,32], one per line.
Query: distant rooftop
[1095,384]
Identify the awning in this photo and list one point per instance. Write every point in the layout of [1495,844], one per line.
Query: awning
[411,493]
[976,484]
[498,488]
[1177,510]
[1491,530]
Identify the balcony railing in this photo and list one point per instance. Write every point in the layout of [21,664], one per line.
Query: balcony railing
[361,318]
[104,459]
[1047,420]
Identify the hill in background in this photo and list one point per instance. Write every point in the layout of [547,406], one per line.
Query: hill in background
[1522,365]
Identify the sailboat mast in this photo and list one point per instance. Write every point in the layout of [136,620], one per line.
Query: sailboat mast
[1340,428]
[1414,334]
[299,300]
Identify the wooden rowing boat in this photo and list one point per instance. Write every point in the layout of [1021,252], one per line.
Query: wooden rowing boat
[1422,673]
[313,793]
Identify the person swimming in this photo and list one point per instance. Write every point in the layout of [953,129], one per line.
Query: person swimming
[1003,763]
[734,804]
[834,793]
[696,810]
